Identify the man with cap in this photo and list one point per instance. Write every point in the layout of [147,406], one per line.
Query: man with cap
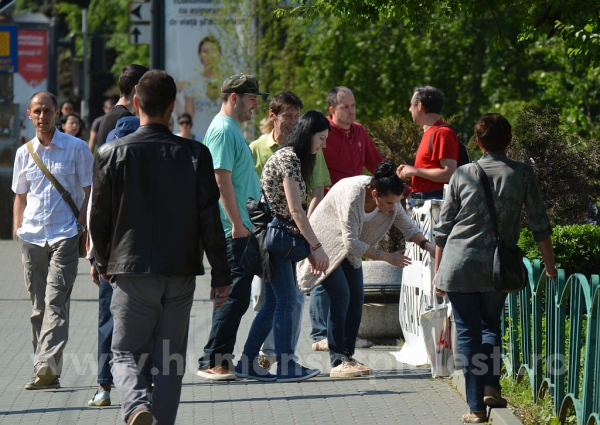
[237,181]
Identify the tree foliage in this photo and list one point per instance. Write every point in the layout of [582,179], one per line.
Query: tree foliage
[567,169]
[572,20]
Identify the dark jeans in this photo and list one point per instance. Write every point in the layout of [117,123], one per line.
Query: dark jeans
[105,333]
[226,320]
[318,311]
[345,288]
[478,318]
[277,313]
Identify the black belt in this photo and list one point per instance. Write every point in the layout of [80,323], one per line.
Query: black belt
[434,194]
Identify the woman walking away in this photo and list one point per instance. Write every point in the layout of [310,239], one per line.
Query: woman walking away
[350,221]
[284,180]
[465,254]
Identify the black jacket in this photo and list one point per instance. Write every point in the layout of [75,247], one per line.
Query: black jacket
[154,207]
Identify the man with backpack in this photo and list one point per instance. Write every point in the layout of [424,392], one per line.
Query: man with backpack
[439,152]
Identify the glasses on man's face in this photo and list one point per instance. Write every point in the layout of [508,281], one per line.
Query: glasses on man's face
[184,123]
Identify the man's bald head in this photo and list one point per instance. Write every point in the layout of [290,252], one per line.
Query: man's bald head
[44,93]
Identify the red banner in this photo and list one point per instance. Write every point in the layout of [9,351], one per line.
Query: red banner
[33,56]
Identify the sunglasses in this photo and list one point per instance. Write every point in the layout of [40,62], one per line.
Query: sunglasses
[184,123]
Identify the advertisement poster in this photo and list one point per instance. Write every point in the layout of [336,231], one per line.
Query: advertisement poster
[205,42]
[32,75]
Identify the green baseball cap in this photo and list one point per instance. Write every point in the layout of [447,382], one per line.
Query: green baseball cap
[241,84]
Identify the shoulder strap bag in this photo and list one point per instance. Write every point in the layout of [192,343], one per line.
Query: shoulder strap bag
[509,272]
[63,192]
[282,241]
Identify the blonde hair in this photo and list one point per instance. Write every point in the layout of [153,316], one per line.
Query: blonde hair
[265,126]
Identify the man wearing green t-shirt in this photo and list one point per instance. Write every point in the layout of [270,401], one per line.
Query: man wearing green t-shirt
[284,112]
[237,181]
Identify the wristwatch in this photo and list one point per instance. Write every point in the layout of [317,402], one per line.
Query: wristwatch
[377,253]
[80,227]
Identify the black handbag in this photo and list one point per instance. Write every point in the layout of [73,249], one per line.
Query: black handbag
[509,272]
[281,240]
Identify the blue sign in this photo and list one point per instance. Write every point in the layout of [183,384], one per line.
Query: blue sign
[9,49]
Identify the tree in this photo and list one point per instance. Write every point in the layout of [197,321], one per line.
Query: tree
[575,22]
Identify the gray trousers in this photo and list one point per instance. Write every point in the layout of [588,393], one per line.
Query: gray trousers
[151,318]
[50,273]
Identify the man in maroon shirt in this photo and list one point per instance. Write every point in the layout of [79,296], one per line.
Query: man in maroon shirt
[349,151]
[349,148]
[436,161]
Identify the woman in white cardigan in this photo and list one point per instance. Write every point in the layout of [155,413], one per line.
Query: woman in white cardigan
[349,222]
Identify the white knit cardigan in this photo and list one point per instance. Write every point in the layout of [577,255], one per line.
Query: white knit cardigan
[338,223]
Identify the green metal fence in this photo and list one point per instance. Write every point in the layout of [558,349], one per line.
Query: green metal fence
[553,338]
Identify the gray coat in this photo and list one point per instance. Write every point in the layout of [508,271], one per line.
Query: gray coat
[465,231]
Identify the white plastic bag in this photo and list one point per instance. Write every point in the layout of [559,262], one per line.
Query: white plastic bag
[435,324]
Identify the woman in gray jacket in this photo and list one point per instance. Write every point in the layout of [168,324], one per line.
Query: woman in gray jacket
[349,222]
[465,253]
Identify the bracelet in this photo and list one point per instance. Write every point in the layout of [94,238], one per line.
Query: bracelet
[317,246]
[422,243]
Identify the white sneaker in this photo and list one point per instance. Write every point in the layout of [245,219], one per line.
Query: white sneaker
[345,370]
[364,369]
[320,345]
[362,343]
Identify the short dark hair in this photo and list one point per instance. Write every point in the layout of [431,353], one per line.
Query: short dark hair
[286,98]
[187,116]
[385,180]
[46,93]
[431,98]
[332,95]
[300,139]
[494,132]
[209,39]
[130,76]
[155,92]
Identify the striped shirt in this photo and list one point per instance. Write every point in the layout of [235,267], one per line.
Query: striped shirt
[47,217]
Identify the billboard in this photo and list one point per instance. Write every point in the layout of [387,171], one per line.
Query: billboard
[205,42]
[33,72]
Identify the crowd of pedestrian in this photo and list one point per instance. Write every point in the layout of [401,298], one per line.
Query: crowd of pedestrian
[157,203]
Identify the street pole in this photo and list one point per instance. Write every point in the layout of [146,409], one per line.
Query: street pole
[157,48]
[86,66]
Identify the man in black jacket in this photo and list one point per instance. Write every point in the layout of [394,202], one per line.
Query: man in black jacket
[154,214]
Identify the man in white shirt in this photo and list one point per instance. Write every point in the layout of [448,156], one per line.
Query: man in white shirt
[48,232]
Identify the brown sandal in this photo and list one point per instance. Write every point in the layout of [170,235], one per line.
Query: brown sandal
[493,398]
[471,418]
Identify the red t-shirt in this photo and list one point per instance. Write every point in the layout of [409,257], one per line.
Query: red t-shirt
[445,145]
[349,152]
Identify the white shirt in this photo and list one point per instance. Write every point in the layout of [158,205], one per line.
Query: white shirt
[48,217]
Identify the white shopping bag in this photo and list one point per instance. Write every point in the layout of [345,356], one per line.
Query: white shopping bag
[435,324]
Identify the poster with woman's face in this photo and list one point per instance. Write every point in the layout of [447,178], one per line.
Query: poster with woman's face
[205,42]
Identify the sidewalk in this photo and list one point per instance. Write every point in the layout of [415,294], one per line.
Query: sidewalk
[396,393]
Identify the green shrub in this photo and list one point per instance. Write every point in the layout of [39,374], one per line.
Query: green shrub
[567,168]
[576,248]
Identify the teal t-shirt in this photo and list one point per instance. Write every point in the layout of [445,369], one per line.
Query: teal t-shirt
[230,152]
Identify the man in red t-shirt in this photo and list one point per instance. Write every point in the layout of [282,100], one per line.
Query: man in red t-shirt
[349,148]
[433,168]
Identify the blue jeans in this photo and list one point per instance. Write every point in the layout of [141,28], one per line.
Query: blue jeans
[226,320]
[318,311]
[105,333]
[276,313]
[345,288]
[258,299]
[478,317]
